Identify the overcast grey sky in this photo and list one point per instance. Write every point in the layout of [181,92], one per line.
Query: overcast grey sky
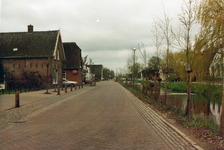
[105,30]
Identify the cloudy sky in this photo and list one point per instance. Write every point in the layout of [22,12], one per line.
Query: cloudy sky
[105,30]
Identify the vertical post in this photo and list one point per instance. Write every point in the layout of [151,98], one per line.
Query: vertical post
[17,100]
[71,88]
[58,90]
[79,85]
[75,86]
[65,88]
[82,85]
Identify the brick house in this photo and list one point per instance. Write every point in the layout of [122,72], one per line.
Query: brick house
[25,52]
[74,64]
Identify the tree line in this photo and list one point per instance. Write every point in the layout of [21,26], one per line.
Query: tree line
[196,56]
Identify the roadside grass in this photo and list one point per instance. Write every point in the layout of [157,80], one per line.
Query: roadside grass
[179,116]
[129,88]
[199,88]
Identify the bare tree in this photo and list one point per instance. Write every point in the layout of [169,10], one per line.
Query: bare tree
[187,18]
[168,36]
[157,44]
[144,57]
[158,39]
[130,61]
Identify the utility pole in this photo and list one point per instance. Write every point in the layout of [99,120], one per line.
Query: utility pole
[133,74]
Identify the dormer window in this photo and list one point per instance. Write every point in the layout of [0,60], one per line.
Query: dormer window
[15,49]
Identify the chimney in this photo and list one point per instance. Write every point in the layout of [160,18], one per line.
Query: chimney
[30,28]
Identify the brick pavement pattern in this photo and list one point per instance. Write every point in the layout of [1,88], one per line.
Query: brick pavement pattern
[103,118]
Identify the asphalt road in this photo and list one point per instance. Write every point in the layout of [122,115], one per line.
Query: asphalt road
[102,118]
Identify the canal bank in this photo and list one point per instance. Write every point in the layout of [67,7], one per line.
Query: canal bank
[205,131]
[206,107]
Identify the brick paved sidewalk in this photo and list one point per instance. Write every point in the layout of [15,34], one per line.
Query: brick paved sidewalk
[31,102]
[7,101]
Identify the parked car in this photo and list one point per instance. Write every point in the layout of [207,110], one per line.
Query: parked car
[88,81]
[68,83]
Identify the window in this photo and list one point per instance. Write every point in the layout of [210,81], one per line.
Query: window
[15,49]
[57,54]
[55,76]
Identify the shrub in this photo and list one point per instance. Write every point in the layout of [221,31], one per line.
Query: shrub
[171,78]
[203,89]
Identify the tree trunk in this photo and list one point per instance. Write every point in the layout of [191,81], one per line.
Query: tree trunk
[166,89]
[159,90]
[187,112]
[146,85]
[222,114]
[143,85]
[155,88]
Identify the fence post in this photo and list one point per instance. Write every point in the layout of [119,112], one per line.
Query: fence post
[17,100]
[79,85]
[65,88]
[58,90]
[82,84]
[75,86]
[71,87]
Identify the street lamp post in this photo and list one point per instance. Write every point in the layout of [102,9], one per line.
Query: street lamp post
[133,74]
[116,74]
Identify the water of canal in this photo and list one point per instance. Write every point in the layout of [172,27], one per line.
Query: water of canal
[201,106]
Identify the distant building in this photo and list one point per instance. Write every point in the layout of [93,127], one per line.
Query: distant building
[97,71]
[25,52]
[215,69]
[73,63]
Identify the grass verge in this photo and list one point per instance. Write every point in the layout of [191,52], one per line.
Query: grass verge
[205,130]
